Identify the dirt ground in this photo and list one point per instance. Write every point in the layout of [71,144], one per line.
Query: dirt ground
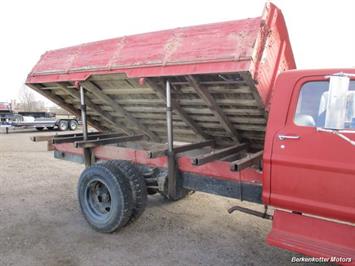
[41,224]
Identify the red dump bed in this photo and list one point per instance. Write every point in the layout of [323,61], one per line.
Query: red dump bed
[236,62]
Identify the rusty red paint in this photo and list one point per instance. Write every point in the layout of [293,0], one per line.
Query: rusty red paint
[217,169]
[274,53]
[227,47]
[315,174]
[197,44]
[313,237]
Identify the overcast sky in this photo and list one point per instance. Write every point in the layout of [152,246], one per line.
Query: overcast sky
[322,33]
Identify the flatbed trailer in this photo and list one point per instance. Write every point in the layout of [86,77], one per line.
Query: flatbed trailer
[50,123]
[37,120]
[187,110]
[31,119]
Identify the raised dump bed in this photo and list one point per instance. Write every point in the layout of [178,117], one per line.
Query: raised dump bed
[221,76]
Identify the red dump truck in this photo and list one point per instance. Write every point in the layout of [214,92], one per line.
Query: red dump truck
[216,108]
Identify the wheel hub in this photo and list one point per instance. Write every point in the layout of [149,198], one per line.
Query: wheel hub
[99,199]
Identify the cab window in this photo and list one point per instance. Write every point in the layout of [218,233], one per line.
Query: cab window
[312,105]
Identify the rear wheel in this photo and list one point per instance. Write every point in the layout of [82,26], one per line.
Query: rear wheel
[137,184]
[73,124]
[105,197]
[63,125]
[39,128]
[50,128]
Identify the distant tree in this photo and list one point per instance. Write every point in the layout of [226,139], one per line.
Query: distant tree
[28,102]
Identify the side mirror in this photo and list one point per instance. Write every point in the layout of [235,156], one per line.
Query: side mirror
[337,100]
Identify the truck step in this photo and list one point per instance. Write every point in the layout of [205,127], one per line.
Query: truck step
[314,237]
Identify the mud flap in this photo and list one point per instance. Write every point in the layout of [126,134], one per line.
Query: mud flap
[313,237]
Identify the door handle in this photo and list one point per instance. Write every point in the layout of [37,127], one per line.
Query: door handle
[285,137]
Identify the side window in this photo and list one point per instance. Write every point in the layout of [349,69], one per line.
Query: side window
[312,105]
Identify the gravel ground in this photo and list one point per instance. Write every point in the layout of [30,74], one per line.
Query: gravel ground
[41,224]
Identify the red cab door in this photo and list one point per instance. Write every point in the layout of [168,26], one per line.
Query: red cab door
[311,171]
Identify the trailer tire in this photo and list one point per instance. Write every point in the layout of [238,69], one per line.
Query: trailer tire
[105,197]
[39,128]
[138,186]
[73,125]
[50,128]
[63,125]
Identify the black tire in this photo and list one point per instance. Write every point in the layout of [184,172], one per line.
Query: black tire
[50,128]
[63,125]
[39,128]
[138,186]
[105,197]
[73,125]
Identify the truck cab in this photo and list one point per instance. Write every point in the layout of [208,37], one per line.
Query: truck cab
[309,156]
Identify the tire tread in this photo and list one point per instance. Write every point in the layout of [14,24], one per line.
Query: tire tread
[138,186]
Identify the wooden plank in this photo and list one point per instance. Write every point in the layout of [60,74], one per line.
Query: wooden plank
[248,120]
[228,111]
[41,138]
[232,119]
[237,126]
[150,121]
[141,101]
[94,100]
[218,82]
[237,102]
[205,124]
[202,118]
[219,90]
[109,77]
[187,131]
[176,108]
[187,102]
[48,139]
[109,118]
[119,91]
[250,128]
[146,109]
[155,116]
[248,113]
[248,161]
[60,92]
[119,109]
[54,88]
[214,107]
[250,82]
